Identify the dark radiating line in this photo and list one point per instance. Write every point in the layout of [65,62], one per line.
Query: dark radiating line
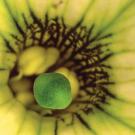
[85,45]
[75,27]
[19,27]
[107,92]
[64,27]
[92,65]
[97,46]
[57,31]
[74,54]
[89,93]
[8,45]
[46,19]
[14,20]
[107,83]
[43,29]
[72,42]
[94,38]
[35,18]
[25,20]
[90,31]
[105,36]
[16,38]
[85,123]
[65,38]
[56,128]
[106,57]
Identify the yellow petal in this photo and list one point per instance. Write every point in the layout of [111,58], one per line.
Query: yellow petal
[31,124]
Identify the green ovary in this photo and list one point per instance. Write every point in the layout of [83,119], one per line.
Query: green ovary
[52,90]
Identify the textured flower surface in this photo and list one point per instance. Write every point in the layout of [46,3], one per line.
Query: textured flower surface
[92,42]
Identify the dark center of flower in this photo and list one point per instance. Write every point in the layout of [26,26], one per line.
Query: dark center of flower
[80,51]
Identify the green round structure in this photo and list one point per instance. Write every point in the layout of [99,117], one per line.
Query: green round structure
[52,90]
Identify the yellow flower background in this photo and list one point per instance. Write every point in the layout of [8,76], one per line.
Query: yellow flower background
[117,117]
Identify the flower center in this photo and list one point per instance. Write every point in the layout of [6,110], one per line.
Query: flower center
[70,50]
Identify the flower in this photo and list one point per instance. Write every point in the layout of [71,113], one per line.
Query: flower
[94,40]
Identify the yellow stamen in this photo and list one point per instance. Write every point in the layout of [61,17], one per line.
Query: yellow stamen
[72,79]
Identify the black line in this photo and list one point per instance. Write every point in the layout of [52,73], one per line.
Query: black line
[14,20]
[8,45]
[85,45]
[57,30]
[25,20]
[65,38]
[97,46]
[16,38]
[44,29]
[85,123]
[35,18]
[90,31]
[105,36]
[75,27]
[19,27]
[56,128]
[107,92]
[106,57]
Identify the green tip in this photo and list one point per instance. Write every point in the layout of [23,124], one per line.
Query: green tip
[52,90]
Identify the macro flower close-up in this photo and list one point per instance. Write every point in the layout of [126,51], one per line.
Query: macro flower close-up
[67,67]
